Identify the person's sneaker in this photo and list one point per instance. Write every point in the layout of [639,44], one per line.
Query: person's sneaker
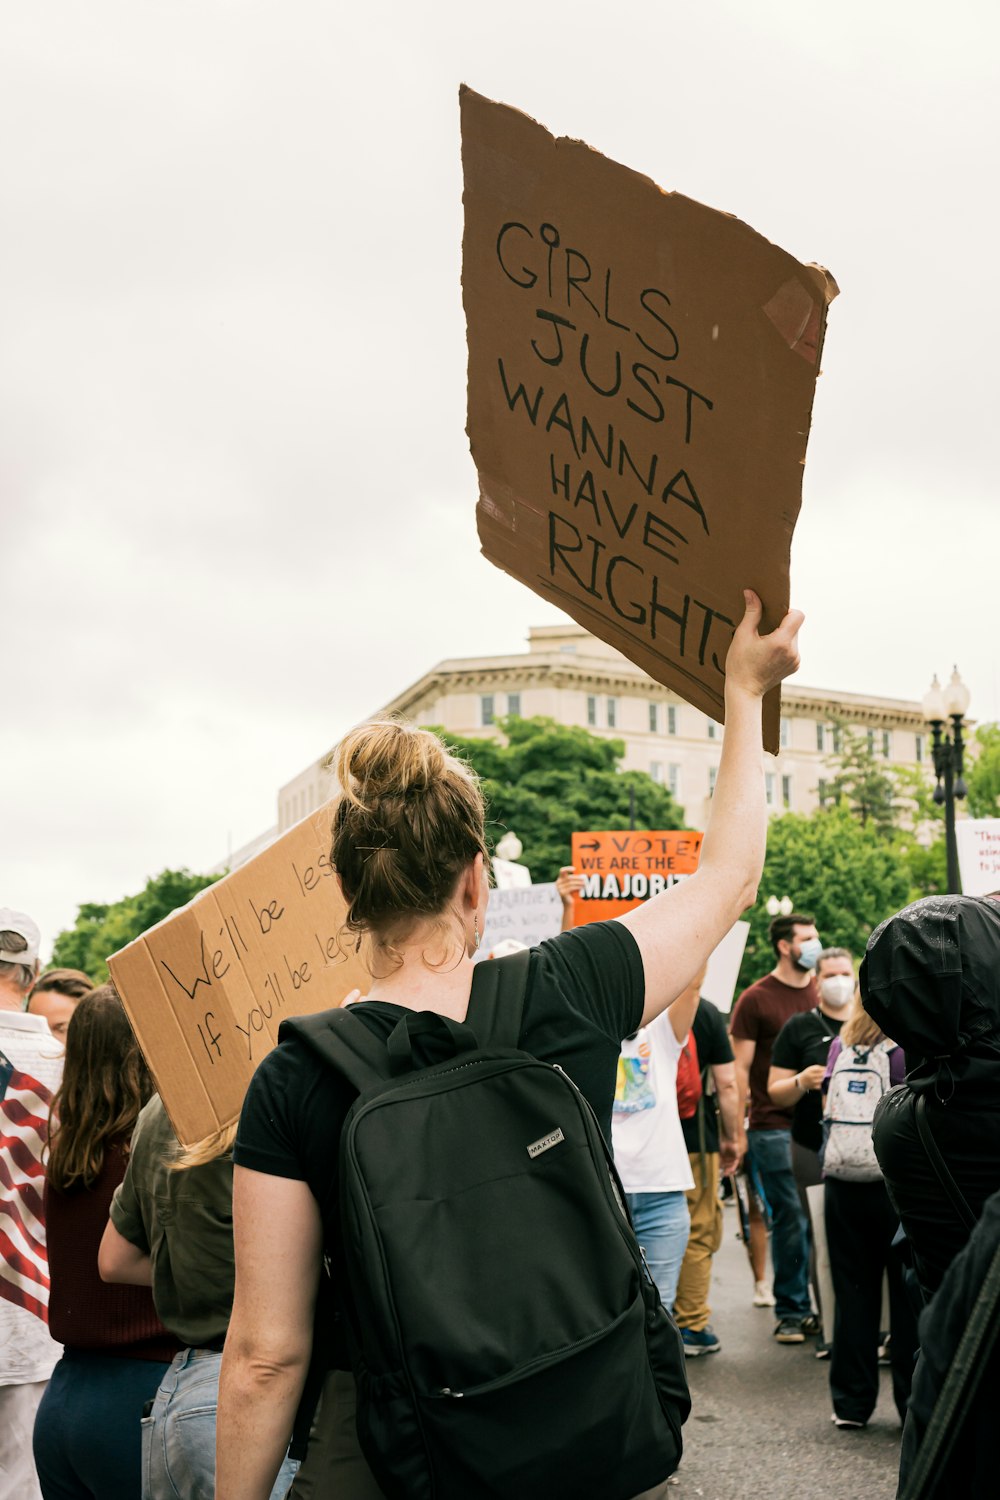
[789,1331]
[846,1422]
[811,1325]
[700,1341]
[762,1295]
[823,1351]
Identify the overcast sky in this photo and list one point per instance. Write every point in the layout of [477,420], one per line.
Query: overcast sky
[237,499]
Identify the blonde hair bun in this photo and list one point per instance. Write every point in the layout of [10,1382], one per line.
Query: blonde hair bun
[388,758]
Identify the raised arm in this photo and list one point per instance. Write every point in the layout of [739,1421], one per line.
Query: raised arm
[678,930]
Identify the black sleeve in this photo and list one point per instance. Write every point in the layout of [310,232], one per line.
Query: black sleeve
[717,1048]
[292,1118]
[599,969]
[787,1045]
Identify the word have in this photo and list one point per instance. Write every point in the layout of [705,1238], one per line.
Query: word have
[578,555]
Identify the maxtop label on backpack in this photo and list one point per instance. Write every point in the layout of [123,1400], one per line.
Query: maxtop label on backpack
[546,1143]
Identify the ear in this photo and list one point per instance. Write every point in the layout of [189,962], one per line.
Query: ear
[471,888]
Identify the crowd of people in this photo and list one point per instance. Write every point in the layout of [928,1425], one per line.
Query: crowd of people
[417,1239]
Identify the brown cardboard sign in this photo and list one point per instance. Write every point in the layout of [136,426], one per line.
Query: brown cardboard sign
[207,989]
[641,380]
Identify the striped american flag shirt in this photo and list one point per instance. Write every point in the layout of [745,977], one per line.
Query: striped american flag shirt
[30,1070]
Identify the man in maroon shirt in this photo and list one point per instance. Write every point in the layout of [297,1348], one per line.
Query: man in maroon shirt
[759,1015]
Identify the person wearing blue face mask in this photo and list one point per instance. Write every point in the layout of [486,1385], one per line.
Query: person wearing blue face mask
[758,1016]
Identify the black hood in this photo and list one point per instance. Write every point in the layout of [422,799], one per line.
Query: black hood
[931,979]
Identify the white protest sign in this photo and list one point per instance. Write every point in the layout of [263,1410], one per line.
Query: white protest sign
[724,967]
[529,913]
[978,842]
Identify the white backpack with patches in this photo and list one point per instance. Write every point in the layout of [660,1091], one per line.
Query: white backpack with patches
[859,1079]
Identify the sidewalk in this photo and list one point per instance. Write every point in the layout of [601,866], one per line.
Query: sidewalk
[760,1425]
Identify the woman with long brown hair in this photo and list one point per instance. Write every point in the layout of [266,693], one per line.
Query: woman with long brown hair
[87,1433]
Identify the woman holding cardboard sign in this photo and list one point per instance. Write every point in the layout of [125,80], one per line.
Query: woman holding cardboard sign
[410,852]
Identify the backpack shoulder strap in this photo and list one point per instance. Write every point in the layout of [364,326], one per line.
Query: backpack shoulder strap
[344,1041]
[937,1161]
[496,1003]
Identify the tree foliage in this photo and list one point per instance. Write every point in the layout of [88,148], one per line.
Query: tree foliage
[983,773]
[843,871]
[547,781]
[100,930]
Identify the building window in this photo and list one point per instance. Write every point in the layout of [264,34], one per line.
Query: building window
[656,770]
[612,712]
[674,780]
[769,782]
[887,743]
[713,776]
[786,791]
[713,729]
[820,738]
[486,709]
[871,742]
[821,792]
[838,739]
[671,719]
[568,650]
[592,712]
[786,733]
[514,704]
[919,748]
[654,718]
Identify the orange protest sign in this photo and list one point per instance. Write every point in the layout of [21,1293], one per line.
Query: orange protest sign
[624,867]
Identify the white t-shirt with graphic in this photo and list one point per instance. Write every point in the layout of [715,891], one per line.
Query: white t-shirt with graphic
[650,1151]
[31,1064]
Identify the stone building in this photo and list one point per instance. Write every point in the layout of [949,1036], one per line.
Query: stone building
[574,678]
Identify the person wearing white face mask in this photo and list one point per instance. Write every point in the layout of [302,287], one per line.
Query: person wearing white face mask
[798,1062]
[758,1017]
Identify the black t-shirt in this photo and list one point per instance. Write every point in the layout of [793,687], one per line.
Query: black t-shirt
[586,990]
[714,1047]
[802,1042]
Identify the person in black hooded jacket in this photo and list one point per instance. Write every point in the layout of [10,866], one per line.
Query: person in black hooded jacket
[931,979]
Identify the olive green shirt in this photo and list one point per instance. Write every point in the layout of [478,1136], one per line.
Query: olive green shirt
[184,1222]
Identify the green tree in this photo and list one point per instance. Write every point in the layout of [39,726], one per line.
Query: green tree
[845,872]
[983,774]
[547,781]
[864,782]
[102,930]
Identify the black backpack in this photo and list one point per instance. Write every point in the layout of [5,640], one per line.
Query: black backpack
[506,1336]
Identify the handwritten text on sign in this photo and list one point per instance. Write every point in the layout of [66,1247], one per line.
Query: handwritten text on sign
[622,869]
[207,989]
[641,377]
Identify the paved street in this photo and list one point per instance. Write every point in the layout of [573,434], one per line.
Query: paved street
[760,1425]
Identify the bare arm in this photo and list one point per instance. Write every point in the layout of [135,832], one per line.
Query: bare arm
[278,1241]
[785,1087]
[678,930]
[683,1011]
[568,883]
[121,1262]
[744,1049]
[733,1143]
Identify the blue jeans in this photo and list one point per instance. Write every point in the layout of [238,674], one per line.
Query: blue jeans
[662,1225]
[86,1438]
[178,1437]
[771,1159]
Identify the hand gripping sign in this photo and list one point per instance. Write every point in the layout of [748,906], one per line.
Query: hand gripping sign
[641,380]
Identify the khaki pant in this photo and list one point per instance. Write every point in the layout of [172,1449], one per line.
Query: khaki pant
[691,1307]
[334,1463]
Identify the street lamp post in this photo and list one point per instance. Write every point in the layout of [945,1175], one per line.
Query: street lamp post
[940,704]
